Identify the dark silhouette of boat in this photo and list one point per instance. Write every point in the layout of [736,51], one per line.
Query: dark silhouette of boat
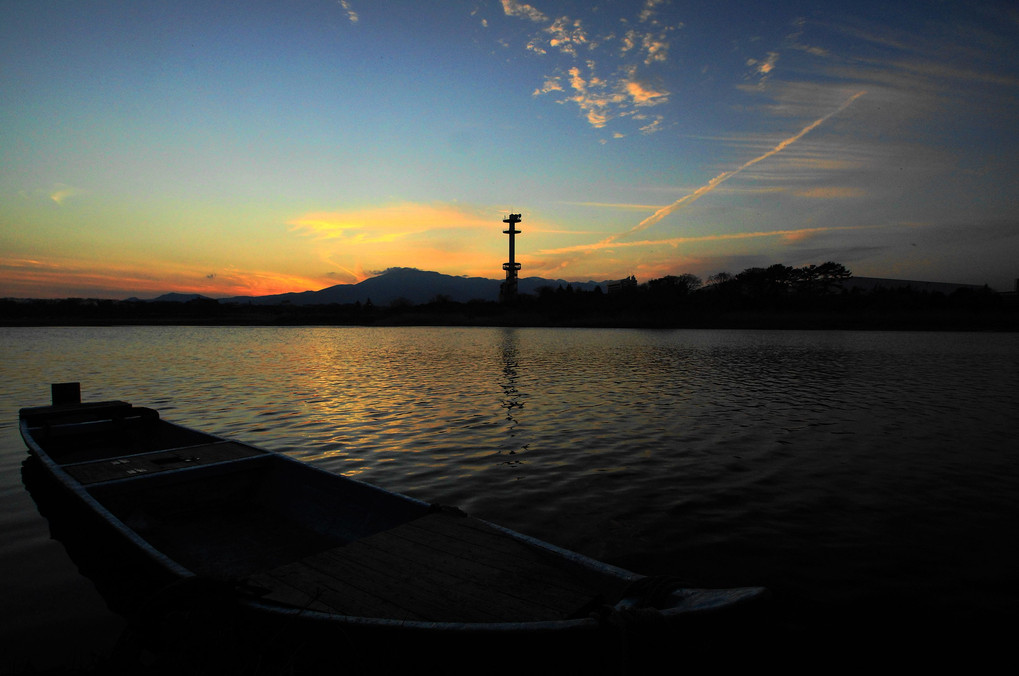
[194,515]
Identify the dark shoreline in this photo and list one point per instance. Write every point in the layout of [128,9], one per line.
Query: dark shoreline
[844,311]
[737,321]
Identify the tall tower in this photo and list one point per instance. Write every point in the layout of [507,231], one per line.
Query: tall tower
[508,291]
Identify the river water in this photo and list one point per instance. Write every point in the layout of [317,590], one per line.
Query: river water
[869,479]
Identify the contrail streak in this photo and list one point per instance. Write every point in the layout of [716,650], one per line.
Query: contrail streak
[676,241]
[723,177]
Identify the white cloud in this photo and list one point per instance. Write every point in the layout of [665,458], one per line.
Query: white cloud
[351,14]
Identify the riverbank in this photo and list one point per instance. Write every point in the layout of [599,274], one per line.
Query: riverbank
[466,314]
[725,308]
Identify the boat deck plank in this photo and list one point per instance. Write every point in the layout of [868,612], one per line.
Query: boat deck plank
[439,568]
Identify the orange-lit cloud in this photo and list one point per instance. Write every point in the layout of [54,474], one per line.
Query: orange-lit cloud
[601,100]
[763,67]
[447,238]
[602,93]
[566,35]
[523,11]
[642,94]
[386,223]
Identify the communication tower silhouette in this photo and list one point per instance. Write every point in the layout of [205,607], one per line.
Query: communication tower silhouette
[508,292]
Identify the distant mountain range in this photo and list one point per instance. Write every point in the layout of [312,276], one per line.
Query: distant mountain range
[420,286]
[414,286]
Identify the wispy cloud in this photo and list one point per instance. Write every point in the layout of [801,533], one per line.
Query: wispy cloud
[725,176]
[618,205]
[61,193]
[948,63]
[617,241]
[792,235]
[831,192]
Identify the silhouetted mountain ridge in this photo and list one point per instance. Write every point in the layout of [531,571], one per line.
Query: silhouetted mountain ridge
[417,287]
[413,286]
[172,297]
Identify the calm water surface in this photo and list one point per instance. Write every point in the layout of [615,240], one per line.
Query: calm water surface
[857,474]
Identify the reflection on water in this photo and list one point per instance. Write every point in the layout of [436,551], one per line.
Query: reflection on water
[512,399]
[847,471]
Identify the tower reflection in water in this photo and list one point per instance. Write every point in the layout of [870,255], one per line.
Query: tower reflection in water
[512,399]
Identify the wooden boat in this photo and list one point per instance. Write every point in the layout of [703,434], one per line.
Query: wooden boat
[291,542]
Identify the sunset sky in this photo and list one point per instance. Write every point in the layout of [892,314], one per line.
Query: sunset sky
[265,146]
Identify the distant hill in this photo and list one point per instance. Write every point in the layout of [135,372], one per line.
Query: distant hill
[867,284]
[414,286]
[171,298]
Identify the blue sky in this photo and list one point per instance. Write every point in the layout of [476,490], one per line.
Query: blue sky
[245,148]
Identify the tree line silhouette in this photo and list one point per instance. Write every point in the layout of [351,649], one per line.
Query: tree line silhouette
[779,296]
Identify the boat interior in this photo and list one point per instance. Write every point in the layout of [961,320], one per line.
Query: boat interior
[307,538]
[220,508]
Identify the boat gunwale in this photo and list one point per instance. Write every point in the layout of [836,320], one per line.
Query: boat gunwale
[82,493]
[593,621]
[580,623]
[250,600]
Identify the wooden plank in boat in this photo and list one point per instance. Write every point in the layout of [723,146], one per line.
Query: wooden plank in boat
[422,588]
[152,463]
[478,575]
[303,586]
[473,549]
[495,548]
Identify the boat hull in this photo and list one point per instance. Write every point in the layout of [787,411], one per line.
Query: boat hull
[231,535]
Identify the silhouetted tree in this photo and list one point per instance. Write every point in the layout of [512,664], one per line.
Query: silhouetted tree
[832,274]
[765,282]
[681,284]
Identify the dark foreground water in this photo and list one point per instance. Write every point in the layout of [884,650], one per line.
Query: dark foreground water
[869,479]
